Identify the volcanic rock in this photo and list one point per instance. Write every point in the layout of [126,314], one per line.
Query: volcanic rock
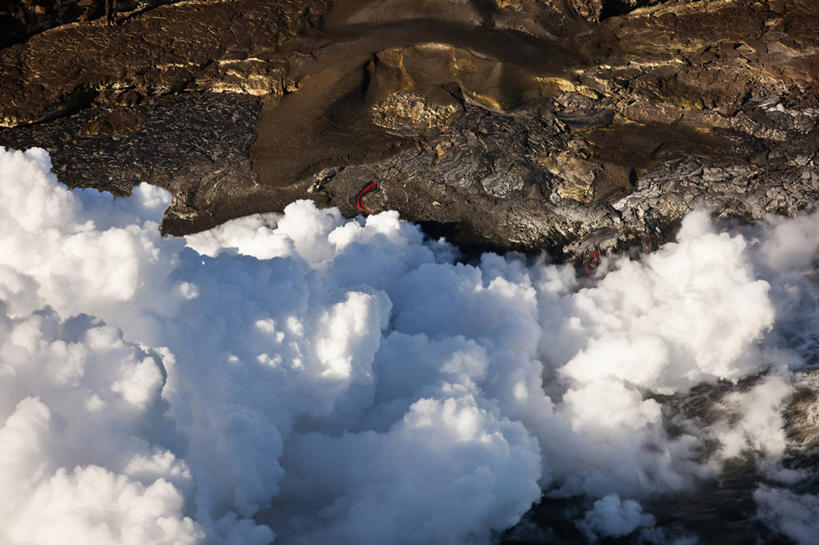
[522,124]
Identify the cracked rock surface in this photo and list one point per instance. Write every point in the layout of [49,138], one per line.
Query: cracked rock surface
[515,124]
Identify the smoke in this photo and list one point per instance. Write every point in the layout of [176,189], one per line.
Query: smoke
[610,516]
[309,379]
[792,514]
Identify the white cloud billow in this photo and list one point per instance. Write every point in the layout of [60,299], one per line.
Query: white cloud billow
[611,516]
[311,379]
[792,514]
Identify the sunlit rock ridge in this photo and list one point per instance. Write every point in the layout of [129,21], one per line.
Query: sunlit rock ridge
[508,124]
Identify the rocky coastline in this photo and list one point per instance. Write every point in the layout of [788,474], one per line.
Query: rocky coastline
[519,124]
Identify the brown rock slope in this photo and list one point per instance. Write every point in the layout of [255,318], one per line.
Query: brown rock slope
[508,124]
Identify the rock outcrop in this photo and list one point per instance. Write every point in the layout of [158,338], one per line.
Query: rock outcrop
[522,124]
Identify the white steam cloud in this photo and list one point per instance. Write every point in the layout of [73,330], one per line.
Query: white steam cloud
[308,379]
[613,517]
[792,514]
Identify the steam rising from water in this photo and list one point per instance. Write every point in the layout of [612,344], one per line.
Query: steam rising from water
[321,380]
